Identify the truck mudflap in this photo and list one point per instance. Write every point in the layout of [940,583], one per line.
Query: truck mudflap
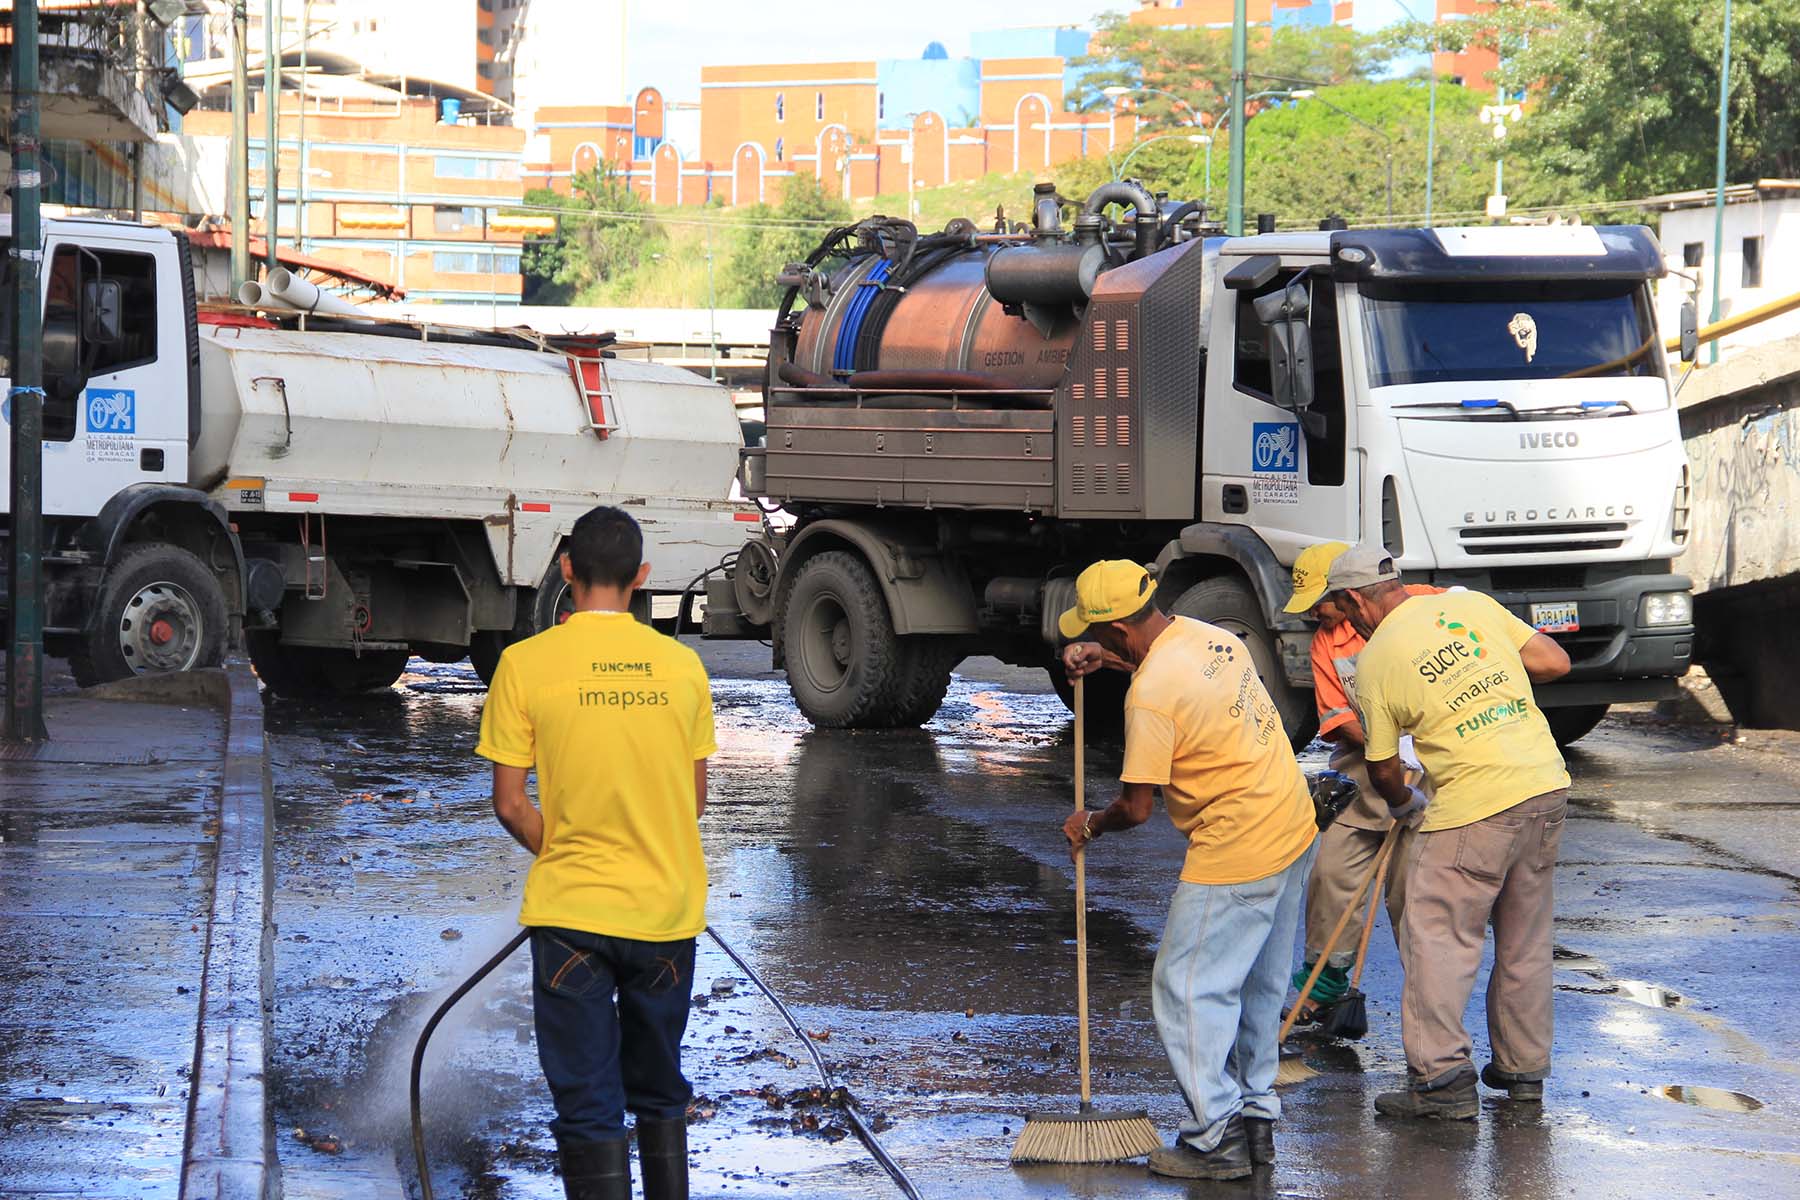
[926,592]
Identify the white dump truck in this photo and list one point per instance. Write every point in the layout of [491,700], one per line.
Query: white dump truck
[350,491]
[959,421]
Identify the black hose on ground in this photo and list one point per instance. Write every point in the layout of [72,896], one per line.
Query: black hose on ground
[839,1095]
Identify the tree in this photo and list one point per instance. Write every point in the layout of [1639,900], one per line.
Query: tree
[1195,65]
[604,233]
[1622,95]
[772,237]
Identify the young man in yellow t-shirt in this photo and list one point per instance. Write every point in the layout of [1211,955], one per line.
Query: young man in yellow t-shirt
[1200,725]
[617,720]
[1456,671]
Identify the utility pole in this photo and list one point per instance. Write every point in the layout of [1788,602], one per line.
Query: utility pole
[25,641]
[1718,264]
[1234,206]
[271,128]
[240,146]
[712,308]
[300,191]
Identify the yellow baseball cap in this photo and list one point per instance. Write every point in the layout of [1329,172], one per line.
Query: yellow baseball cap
[1107,591]
[1312,570]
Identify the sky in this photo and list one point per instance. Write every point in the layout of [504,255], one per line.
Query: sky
[670,40]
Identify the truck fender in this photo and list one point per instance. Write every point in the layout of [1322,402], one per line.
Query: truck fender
[202,517]
[1208,548]
[926,592]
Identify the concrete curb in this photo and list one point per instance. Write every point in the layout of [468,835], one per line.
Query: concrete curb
[230,1150]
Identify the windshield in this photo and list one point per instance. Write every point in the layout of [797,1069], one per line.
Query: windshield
[1551,330]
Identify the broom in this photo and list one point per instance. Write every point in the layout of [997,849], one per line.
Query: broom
[1292,1068]
[1349,1017]
[1084,1136]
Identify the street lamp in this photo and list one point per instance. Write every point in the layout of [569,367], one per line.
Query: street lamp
[1309,94]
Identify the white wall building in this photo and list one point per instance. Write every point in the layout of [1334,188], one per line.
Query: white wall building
[1760,259]
[560,52]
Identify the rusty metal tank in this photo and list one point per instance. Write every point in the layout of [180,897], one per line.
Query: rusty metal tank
[945,320]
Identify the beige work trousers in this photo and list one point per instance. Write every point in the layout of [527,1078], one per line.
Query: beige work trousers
[1345,858]
[1499,870]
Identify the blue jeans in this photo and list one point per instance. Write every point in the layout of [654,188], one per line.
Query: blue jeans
[1217,990]
[603,1055]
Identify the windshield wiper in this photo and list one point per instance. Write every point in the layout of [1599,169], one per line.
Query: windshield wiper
[1467,405]
[1596,407]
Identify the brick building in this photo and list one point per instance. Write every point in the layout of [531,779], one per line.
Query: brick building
[861,128]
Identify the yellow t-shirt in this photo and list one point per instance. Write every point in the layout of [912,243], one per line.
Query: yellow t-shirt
[613,715]
[1199,723]
[1446,669]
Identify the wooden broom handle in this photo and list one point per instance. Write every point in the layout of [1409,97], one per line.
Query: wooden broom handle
[1382,861]
[1337,931]
[1081,978]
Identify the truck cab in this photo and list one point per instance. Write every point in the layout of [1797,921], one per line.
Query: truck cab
[1492,404]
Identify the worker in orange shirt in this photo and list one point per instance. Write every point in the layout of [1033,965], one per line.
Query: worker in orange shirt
[1348,847]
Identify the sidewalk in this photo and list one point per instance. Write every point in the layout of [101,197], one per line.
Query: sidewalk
[112,948]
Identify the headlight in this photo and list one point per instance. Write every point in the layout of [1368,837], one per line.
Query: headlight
[1666,608]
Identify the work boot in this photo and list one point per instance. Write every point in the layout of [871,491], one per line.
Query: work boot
[1524,1091]
[1260,1133]
[1456,1100]
[662,1155]
[596,1170]
[1230,1159]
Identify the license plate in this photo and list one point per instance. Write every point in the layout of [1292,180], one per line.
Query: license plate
[1555,618]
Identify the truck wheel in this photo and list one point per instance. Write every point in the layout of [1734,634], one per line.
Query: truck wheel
[343,672]
[1227,603]
[844,663]
[926,663]
[1105,699]
[1569,725]
[159,610]
[285,670]
[543,607]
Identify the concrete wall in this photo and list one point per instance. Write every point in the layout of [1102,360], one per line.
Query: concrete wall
[1741,421]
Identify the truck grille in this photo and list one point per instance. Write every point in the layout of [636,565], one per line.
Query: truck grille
[1544,539]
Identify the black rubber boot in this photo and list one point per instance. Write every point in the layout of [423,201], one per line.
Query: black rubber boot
[662,1155]
[1230,1159]
[1260,1133]
[596,1170]
[1454,1100]
[1524,1091]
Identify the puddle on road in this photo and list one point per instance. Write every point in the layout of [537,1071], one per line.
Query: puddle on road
[1707,1097]
[1638,991]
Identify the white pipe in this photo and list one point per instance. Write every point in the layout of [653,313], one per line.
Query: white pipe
[288,288]
[254,295]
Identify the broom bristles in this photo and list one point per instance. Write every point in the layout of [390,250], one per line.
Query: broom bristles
[1292,1071]
[1086,1138]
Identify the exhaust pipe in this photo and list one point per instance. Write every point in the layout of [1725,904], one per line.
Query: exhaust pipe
[295,292]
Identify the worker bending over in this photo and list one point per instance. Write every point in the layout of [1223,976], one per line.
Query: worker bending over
[1457,671]
[1199,725]
[617,719]
[1348,846]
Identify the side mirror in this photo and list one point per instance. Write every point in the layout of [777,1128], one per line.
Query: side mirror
[102,312]
[64,373]
[1290,346]
[1690,332]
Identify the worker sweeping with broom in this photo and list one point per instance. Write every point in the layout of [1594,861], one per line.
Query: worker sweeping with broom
[1200,725]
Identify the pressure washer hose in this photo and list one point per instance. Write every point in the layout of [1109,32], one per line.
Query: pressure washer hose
[861,1128]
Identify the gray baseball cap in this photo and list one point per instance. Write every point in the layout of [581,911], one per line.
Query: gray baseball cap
[1362,565]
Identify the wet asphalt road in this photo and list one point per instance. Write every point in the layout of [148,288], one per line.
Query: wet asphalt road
[909,895]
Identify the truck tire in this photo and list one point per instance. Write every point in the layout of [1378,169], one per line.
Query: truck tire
[1568,725]
[344,672]
[543,607]
[1105,699]
[926,663]
[159,609]
[844,662]
[285,670]
[1229,604]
